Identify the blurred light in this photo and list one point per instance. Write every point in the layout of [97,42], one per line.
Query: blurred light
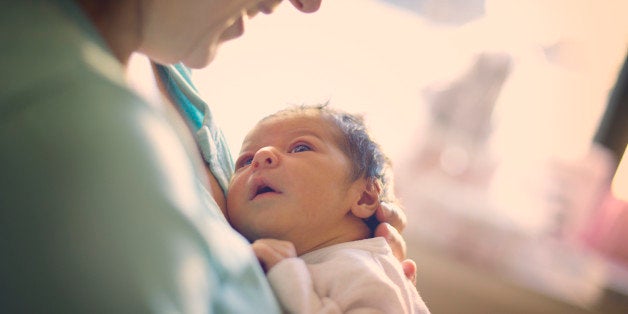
[454,160]
[619,187]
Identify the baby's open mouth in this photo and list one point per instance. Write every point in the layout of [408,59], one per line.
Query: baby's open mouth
[264,189]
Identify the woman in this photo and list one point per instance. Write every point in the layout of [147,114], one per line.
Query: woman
[104,205]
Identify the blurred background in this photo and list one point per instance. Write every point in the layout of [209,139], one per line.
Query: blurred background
[506,122]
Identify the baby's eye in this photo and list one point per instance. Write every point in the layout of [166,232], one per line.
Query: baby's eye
[244,161]
[300,148]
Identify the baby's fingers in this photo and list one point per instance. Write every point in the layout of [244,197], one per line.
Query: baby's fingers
[271,251]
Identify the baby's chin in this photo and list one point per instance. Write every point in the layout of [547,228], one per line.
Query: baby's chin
[249,233]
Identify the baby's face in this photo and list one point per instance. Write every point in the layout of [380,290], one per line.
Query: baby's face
[291,180]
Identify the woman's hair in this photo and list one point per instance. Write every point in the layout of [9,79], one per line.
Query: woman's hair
[367,158]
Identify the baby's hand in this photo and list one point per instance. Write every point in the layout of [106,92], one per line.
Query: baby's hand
[269,252]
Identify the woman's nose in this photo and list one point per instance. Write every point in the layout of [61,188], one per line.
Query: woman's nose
[266,157]
[307,6]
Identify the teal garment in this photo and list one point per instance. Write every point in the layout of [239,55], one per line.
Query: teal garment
[101,209]
[208,136]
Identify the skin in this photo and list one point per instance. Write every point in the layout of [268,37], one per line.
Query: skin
[190,31]
[313,202]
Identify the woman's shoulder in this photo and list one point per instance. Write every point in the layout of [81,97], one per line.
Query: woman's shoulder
[50,48]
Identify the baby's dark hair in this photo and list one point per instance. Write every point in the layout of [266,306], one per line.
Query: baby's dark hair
[367,158]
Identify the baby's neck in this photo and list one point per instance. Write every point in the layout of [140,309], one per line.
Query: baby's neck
[351,229]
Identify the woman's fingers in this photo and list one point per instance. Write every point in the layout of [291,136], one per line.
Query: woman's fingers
[410,270]
[394,239]
[392,214]
[398,246]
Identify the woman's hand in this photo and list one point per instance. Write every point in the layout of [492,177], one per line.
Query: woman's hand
[269,252]
[392,221]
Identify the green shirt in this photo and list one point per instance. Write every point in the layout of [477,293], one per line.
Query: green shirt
[101,209]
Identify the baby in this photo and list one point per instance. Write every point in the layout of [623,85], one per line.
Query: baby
[306,181]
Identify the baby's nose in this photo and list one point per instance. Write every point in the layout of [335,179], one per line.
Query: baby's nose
[266,157]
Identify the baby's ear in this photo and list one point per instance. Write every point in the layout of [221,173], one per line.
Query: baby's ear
[367,203]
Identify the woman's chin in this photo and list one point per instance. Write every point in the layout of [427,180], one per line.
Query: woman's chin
[198,64]
[200,60]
